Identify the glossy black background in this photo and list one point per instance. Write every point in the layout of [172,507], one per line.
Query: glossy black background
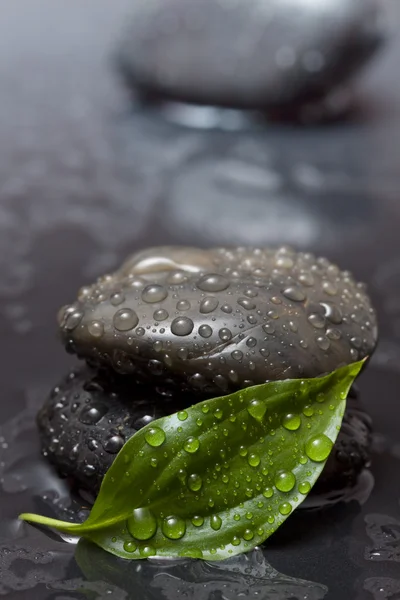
[86,177]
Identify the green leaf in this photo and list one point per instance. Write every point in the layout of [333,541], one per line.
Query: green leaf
[220,477]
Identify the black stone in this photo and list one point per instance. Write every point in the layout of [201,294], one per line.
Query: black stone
[257,54]
[85,451]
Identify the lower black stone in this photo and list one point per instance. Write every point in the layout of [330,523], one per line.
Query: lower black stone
[87,418]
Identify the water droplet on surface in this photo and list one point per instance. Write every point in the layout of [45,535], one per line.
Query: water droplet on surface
[197,521]
[182,326]
[225,334]
[285,481]
[117,298]
[130,546]
[215,522]
[318,447]
[208,304]
[70,318]
[306,279]
[304,488]
[155,437]
[174,528]
[269,328]
[295,294]
[237,355]
[91,414]
[329,288]
[114,444]
[323,342]
[253,459]
[332,313]
[308,411]
[205,331]
[248,535]
[257,409]
[285,508]
[191,445]
[182,415]
[96,329]
[160,315]
[333,334]
[194,482]
[183,305]
[213,283]
[291,421]
[147,551]
[235,541]
[125,319]
[142,525]
[246,303]
[226,308]
[316,320]
[154,293]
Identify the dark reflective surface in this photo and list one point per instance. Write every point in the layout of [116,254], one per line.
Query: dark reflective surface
[86,178]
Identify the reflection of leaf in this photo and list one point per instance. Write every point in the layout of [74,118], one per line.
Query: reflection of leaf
[240,577]
[220,477]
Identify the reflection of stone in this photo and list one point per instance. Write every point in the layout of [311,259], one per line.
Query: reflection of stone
[258,54]
[383,588]
[245,576]
[384,531]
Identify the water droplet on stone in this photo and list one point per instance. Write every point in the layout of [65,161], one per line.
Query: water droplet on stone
[91,414]
[71,318]
[117,298]
[208,304]
[125,319]
[333,334]
[160,315]
[316,320]
[332,313]
[246,303]
[96,329]
[294,293]
[182,326]
[329,288]
[114,444]
[155,436]
[154,293]
[142,525]
[226,308]
[213,283]
[183,305]
[225,334]
[318,447]
[269,328]
[237,355]
[323,342]
[205,331]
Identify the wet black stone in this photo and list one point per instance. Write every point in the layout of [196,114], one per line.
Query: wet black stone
[85,451]
[269,53]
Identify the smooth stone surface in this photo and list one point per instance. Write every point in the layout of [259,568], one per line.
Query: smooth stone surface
[257,54]
[84,448]
[277,314]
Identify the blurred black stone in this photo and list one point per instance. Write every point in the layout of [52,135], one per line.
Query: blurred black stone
[263,54]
